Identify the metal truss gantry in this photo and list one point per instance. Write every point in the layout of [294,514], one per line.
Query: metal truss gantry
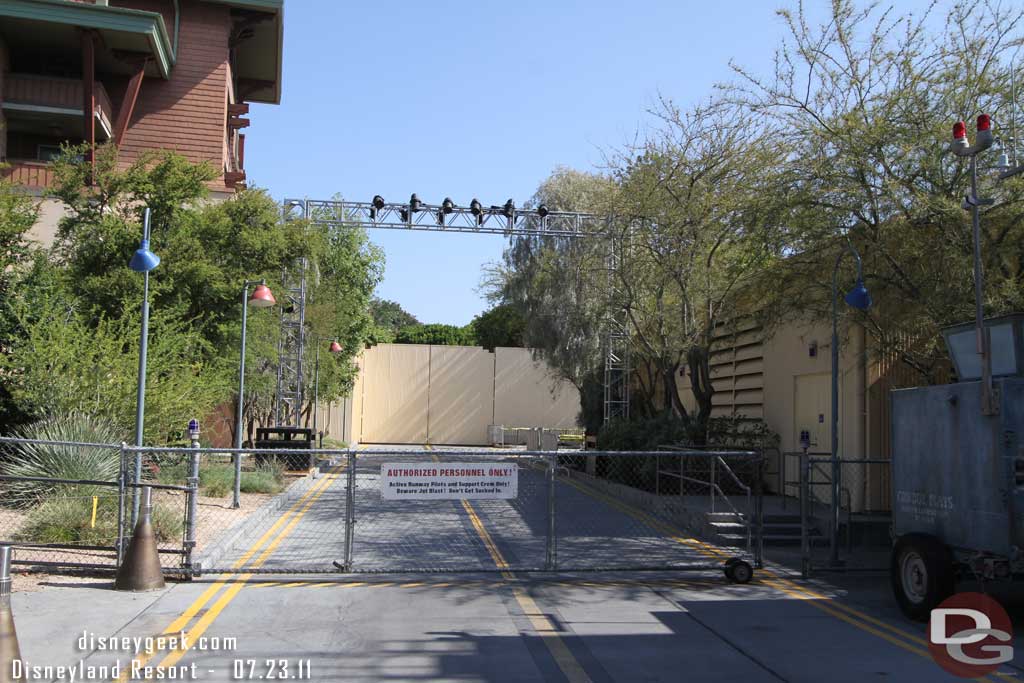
[447,217]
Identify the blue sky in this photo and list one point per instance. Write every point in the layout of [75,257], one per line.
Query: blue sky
[480,98]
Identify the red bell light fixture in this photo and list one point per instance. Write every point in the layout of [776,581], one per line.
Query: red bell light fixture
[262,297]
[335,347]
[960,131]
[985,137]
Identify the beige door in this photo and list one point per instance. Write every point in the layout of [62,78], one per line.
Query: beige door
[812,413]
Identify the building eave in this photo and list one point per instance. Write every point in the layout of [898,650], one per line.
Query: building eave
[102,18]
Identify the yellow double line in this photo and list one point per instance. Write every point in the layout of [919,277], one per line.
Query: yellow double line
[540,622]
[268,542]
[830,606]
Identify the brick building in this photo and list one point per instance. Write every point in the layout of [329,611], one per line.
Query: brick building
[143,74]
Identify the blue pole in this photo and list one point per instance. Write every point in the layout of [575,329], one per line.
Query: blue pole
[140,395]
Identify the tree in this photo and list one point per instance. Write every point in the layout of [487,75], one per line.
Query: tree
[704,185]
[560,286]
[390,315]
[76,313]
[502,325]
[864,104]
[436,333]
[18,214]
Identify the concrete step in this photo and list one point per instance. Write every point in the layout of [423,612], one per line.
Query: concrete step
[722,516]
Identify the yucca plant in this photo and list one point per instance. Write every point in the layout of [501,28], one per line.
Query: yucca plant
[60,461]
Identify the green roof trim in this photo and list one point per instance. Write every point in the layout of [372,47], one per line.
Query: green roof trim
[258,5]
[101,18]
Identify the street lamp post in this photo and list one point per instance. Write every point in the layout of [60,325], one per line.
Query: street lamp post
[335,347]
[143,261]
[858,298]
[261,298]
[973,203]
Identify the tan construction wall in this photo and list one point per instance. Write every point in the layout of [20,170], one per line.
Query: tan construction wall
[526,394]
[415,394]
[396,381]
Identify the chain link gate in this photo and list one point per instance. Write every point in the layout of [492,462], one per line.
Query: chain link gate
[570,511]
[561,518]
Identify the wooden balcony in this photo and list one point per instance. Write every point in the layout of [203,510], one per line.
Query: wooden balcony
[29,95]
[36,174]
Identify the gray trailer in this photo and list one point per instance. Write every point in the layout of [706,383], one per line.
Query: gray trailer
[958,473]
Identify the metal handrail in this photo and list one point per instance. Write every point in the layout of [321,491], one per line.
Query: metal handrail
[715,488]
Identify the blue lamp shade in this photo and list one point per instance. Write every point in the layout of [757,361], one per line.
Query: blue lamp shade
[858,297]
[143,260]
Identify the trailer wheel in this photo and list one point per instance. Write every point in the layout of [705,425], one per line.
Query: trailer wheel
[921,571]
[740,572]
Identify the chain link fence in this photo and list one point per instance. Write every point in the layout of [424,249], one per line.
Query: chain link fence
[855,532]
[393,510]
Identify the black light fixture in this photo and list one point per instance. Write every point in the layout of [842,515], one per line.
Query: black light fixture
[447,206]
[404,213]
[508,209]
[377,205]
[414,203]
[542,210]
[477,209]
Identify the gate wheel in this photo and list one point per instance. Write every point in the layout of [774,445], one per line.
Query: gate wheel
[921,571]
[738,571]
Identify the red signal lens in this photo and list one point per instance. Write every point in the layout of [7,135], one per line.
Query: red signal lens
[984,122]
[959,130]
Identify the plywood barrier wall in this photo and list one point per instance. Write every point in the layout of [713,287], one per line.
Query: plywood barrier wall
[396,379]
[461,395]
[414,394]
[527,395]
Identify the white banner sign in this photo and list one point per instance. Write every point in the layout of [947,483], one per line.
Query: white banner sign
[449,481]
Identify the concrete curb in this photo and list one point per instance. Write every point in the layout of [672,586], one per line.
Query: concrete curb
[212,555]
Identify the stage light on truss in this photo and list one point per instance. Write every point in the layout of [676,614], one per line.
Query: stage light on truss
[508,209]
[447,206]
[477,209]
[414,203]
[542,210]
[376,205]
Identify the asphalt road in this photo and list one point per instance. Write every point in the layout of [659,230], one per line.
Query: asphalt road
[499,623]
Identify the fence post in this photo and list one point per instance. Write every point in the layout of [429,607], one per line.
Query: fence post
[805,550]
[551,561]
[193,504]
[712,477]
[350,510]
[121,488]
[759,514]
[9,650]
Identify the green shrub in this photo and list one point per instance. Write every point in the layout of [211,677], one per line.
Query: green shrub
[267,478]
[60,462]
[217,479]
[68,519]
[642,435]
